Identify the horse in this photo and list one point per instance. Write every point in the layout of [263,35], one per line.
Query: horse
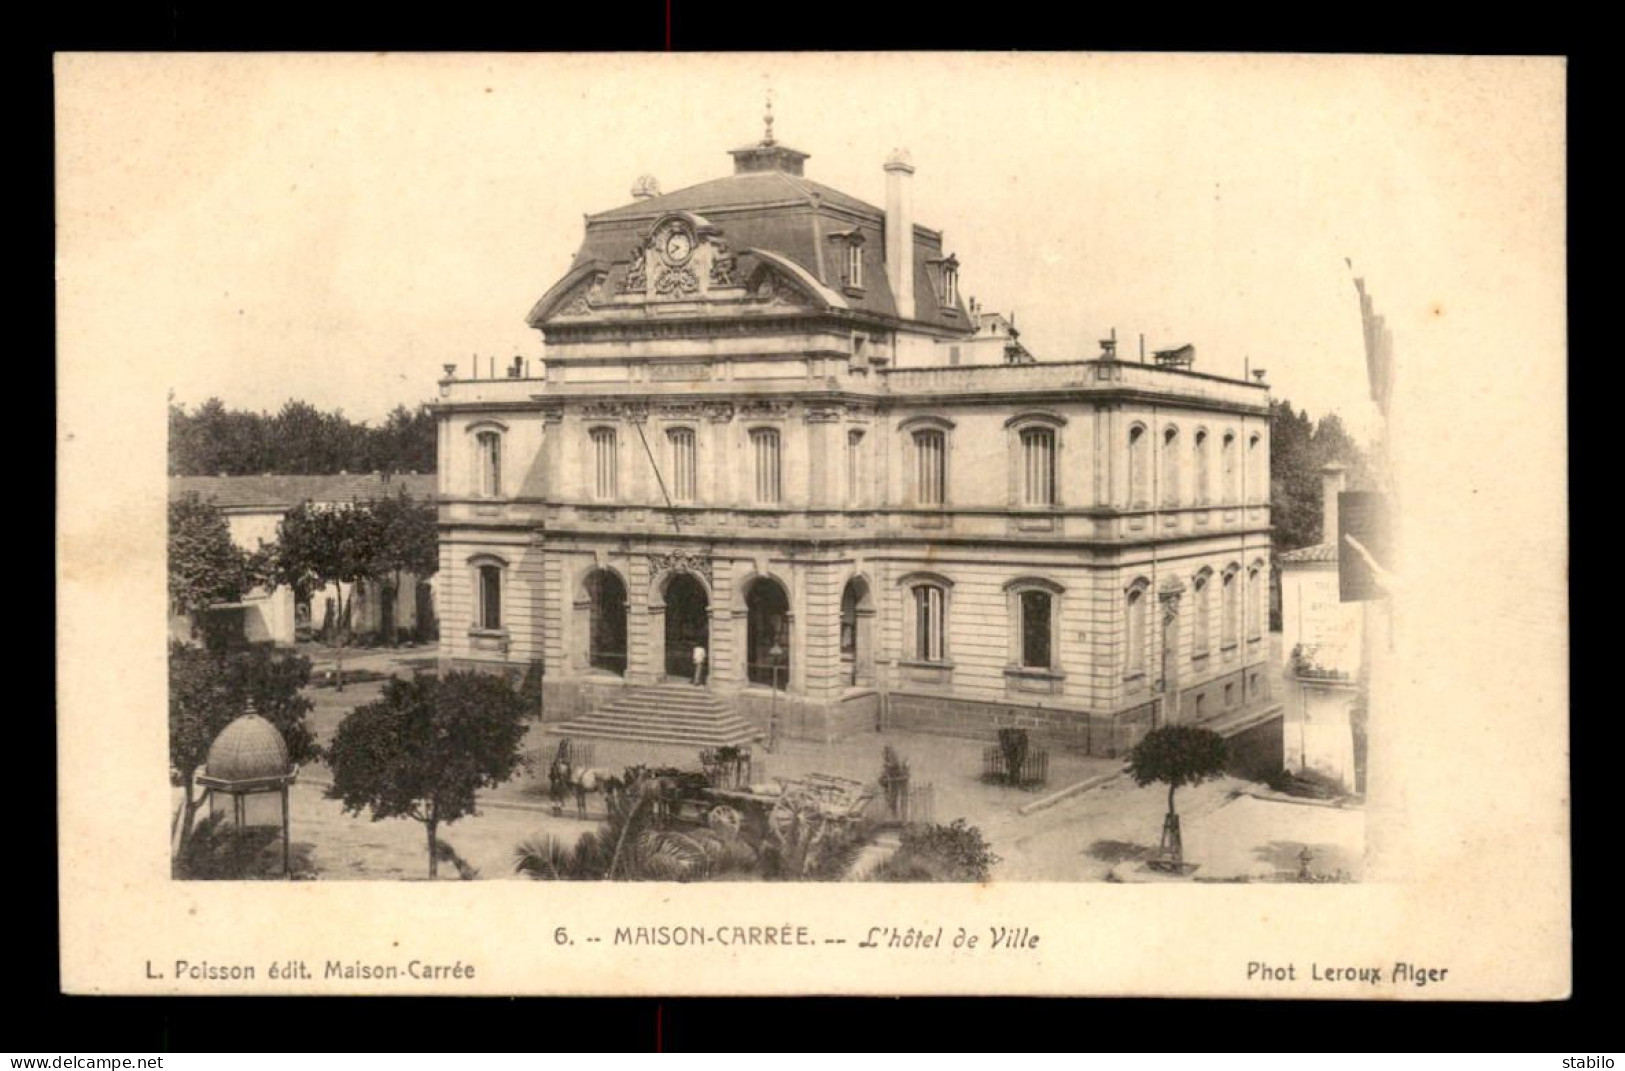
[563,777]
[664,787]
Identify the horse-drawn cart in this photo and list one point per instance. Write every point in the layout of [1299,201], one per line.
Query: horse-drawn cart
[778,808]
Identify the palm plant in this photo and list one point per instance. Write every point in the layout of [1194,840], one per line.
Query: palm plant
[627,846]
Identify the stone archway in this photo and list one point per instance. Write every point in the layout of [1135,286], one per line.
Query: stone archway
[687,624]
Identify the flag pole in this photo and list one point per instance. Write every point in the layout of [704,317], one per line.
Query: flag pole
[671,507]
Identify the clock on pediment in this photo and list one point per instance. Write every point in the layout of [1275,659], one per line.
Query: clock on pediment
[675,243]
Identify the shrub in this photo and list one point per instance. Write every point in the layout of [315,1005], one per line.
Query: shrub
[955,852]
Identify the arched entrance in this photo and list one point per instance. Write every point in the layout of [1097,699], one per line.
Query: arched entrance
[606,622]
[688,624]
[767,635]
[857,617]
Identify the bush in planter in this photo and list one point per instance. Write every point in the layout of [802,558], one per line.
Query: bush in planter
[894,778]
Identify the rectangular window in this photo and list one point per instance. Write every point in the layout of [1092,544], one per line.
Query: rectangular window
[928,609]
[1200,698]
[1038,466]
[854,265]
[1229,695]
[1035,629]
[854,468]
[605,477]
[682,464]
[765,447]
[930,467]
[490,451]
[490,597]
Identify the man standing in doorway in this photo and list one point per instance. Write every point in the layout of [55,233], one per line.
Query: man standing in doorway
[699,663]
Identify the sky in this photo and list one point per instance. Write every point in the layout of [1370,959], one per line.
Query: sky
[336,228]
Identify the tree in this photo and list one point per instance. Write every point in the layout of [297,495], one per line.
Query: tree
[425,747]
[207,691]
[1177,755]
[205,566]
[321,546]
[213,440]
[408,540]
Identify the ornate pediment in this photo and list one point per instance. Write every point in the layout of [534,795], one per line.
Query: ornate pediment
[683,258]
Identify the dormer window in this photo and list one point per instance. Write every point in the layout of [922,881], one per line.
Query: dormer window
[950,283]
[850,246]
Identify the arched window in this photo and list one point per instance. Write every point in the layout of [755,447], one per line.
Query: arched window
[488,597]
[606,485]
[683,466]
[1229,606]
[1258,480]
[930,466]
[606,621]
[1137,494]
[488,450]
[764,444]
[1038,466]
[930,623]
[1202,596]
[1228,451]
[1170,466]
[1135,615]
[767,633]
[1255,602]
[854,468]
[1204,478]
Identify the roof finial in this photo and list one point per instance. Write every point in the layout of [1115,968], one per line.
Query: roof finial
[767,134]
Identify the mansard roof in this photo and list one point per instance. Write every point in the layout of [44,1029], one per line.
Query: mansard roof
[772,214]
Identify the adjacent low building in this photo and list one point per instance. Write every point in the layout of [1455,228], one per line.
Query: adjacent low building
[1322,636]
[254,507]
[769,426]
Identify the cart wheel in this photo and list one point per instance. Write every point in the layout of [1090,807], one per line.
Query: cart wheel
[792,812]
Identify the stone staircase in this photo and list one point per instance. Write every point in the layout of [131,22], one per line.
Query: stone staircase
[665,714]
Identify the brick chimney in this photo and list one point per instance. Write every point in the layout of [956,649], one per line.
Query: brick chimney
[900,230]
[1331,484]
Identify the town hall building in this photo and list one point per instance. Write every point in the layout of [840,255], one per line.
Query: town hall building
[769,427]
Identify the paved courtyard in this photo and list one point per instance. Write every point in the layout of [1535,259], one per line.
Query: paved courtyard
[1233,829]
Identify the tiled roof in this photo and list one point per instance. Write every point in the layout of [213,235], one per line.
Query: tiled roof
[241,492]
[1320,552]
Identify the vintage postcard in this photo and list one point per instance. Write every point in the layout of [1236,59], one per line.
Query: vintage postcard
[813,524]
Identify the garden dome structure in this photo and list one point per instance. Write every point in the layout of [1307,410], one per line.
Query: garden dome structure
[248,776]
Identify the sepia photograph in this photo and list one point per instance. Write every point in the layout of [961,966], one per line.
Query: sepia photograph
[828,481]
